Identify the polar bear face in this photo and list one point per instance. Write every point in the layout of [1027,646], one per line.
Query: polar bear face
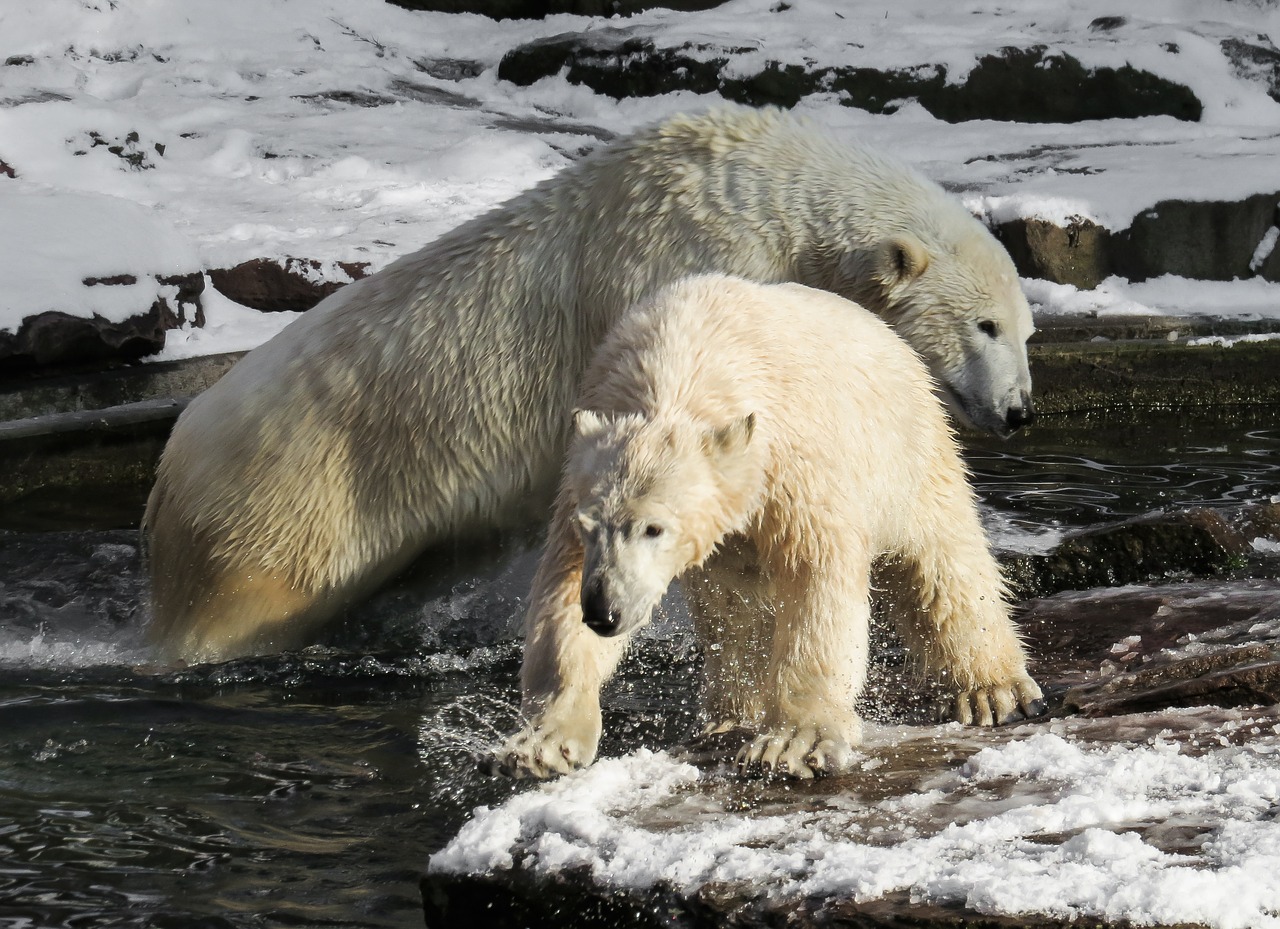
[653,499]
[964,312]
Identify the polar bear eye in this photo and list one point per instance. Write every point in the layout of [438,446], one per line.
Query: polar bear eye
[989,328]
[652,531]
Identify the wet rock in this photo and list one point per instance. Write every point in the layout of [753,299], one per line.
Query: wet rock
[293,284]
[449,69]
[1136,650]
[1114,661]
[540,9]
[57,339]
[1191,543]
[1024,85]
[42,393]
[1077,637]
[1153,375]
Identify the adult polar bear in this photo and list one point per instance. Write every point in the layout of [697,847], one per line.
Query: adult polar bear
[796,421]
[431,400]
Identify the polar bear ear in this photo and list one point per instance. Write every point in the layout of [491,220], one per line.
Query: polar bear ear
[587,423]
[733,438]
[903,258]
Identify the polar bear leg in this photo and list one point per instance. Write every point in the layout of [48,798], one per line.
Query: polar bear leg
[817,670]
[244,612]
[565,665]
[729,599]
[948,599]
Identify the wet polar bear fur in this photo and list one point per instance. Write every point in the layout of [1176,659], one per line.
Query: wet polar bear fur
[430,401]
[796,422]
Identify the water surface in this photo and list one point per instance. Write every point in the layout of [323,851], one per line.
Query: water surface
[310,789]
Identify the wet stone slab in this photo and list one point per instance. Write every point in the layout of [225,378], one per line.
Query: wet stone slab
[1150,795]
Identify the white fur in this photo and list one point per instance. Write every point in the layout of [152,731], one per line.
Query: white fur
[430,401]
[797,432]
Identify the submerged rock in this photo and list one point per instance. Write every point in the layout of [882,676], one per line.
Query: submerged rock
[1199,542]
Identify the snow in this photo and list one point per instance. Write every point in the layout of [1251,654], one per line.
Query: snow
[1051,823]
[1167,295]
[240,135]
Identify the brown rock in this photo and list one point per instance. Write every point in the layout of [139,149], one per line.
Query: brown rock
[294,284]
[1078,254]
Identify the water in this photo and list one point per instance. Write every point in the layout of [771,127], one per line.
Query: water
[309,789]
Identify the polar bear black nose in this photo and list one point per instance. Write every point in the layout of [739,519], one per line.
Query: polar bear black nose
[1019,416]
[599,616]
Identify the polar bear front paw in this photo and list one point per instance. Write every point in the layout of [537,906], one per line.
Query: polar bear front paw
[998,704]
[545,749]
[796,751]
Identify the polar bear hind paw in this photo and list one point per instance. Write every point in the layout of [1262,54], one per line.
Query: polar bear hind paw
[802,752]
[537,752]
[997,704]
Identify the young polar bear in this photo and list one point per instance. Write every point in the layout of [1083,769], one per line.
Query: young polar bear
[792,422]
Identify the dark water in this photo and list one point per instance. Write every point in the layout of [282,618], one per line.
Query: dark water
[309,789]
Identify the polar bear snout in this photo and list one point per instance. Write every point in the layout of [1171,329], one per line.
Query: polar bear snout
[1020,414]
[598,612]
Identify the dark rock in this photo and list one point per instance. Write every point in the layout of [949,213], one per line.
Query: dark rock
[516,899]
[38,96]
[1034,86]
[436,96]
[1078,254]
[1191,543]
[19,60]
[58,339]
[1025,85]
[615,62]
[54,338]
[294,284]
[540,9]
[1255,61]
[449,69]
[1107,23]
[1210,240]
[187,308]
[362,98]
[7,170]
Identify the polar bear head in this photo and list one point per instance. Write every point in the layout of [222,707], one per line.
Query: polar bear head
[959,305]
[654,498]
[956,300]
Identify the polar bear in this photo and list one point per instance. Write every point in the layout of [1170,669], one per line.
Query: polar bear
[430,402]
[794,420]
